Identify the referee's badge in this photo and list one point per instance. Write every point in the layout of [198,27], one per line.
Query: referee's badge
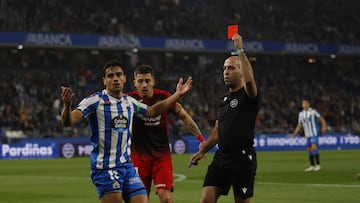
[234,103]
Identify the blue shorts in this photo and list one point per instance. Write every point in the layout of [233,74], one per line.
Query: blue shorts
[312,140]
[122,179]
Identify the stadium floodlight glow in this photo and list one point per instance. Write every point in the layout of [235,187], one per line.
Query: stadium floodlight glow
[135,50]
[252,58]
[311,60]
[94,52]
[169,54]
[20,46]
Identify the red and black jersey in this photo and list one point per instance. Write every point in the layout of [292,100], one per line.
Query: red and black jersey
[150,134]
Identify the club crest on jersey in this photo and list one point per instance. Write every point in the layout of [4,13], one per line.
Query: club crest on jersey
[119,121]
[116,184]
[234,103]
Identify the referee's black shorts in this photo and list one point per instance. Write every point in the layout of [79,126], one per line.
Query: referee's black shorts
[236,168]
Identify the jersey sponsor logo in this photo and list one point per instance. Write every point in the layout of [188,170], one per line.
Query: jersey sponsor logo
[119,122]
[234,103]
[152,121]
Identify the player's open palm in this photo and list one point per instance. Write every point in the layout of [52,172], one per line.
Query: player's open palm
[182,88]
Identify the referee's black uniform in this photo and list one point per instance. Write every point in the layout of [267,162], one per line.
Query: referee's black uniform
[235,162]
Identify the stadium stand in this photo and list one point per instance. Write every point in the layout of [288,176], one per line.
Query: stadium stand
[30,79]
[29,99]
[299,21]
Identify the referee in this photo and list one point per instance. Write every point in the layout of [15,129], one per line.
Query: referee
[235,163]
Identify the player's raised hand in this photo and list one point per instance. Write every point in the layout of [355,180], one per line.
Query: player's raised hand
[67,95]
[182,88]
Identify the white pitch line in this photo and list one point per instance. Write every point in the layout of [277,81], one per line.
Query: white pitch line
[309,184]
[47,177]
[179,177]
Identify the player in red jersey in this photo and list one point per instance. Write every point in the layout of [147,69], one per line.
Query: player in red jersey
[150,150]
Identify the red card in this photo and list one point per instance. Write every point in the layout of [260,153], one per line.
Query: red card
[232,29]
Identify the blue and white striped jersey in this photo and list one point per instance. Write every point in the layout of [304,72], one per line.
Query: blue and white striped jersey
[310,122]
[110,120]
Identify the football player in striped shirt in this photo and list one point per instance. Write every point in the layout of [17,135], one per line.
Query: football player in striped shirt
[309,121]
[110,115]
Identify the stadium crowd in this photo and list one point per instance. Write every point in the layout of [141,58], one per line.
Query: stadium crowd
[30,79]
[30,82]
[273,20]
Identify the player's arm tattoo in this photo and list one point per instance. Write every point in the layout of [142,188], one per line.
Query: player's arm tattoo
[192,127]
[190,124]
[178,107]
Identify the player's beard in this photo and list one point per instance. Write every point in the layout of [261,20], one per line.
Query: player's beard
[116,89]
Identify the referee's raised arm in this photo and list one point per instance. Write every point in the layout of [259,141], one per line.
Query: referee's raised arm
[245,66]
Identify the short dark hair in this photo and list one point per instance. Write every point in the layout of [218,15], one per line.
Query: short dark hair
[112,63]
[143,69]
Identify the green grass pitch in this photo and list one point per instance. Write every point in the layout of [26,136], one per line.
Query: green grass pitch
[280,179]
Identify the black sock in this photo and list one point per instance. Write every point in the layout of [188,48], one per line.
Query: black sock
[317,158]
[311,157]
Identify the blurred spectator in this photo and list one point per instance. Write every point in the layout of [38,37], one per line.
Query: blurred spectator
[271,20]
[30,79]
[29,99]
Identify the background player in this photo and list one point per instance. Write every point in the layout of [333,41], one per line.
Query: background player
[309,120]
